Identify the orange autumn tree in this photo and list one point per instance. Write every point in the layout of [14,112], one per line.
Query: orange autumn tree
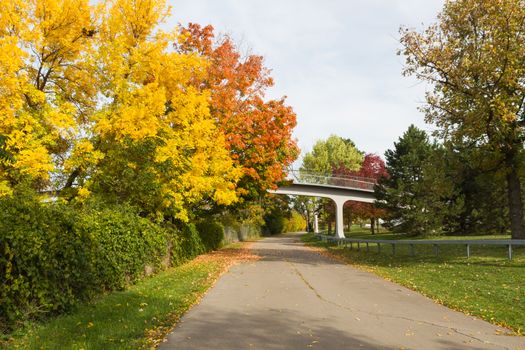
[258,132]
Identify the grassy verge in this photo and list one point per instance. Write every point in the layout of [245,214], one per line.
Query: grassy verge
[137,318]
[487,285]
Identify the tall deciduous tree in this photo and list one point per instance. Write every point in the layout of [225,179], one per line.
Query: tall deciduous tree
[155,131]
[48,85]
[473,57]
[258,132]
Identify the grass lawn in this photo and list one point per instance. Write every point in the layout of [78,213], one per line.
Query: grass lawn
[364,233]
[487,285]
[137,318]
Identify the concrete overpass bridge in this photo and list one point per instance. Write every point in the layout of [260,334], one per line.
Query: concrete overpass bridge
[339,189]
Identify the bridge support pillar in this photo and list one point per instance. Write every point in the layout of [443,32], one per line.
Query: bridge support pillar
[316,223]
[339,226]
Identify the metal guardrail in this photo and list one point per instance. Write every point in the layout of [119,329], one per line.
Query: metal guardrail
[412,243]
[346,181]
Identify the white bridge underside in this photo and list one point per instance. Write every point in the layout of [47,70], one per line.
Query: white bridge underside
[340,195]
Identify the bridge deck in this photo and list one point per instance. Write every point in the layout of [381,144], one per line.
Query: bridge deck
[339,189]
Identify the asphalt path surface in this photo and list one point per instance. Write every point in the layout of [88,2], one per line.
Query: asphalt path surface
[295,298]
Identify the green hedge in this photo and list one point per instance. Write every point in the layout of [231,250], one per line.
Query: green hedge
[273,223]
[52,256]
[122,244]
[42,260]
[211,233]
[186,244]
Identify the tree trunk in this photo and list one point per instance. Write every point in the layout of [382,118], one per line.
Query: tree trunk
[308,222]
[329,226]
[372,225]
[515,203]
[72,177]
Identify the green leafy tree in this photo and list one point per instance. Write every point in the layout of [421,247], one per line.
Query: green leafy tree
[480,187]
[277,210]
[307,207]
[473,57]
[415,190]
[327,158]
[330,154]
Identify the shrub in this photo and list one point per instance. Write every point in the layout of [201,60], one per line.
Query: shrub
[187,242]
[122,244]
[42,263]
[294,223]
[273,223]
[211,233]
[242,225]
[52,256]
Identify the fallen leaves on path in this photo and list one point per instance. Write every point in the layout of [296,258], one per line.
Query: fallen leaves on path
[228,257]
[225,258]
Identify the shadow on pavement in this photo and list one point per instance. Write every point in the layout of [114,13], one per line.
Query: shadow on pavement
[273,330]
[267,330]
[271,249]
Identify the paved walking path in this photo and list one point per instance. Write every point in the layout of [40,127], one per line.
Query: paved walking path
[294,298]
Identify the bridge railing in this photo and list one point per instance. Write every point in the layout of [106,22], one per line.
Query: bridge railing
[302,177]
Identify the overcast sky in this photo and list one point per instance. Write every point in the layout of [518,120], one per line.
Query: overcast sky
[334,59]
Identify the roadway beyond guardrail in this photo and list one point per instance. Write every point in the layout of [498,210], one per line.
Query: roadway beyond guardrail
[412,243]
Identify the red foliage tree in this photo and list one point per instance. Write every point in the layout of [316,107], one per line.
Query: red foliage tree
[373,167]
[258,131]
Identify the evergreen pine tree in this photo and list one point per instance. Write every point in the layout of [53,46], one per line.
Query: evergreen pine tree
[414,192]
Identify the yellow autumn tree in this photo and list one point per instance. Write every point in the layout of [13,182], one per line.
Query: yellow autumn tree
[93,98]
[47,87]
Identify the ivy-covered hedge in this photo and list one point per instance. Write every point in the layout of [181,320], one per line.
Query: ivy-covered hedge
[273,223]
[186,244]
[122,244]
[44,264]
[53,256]
[211,233]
